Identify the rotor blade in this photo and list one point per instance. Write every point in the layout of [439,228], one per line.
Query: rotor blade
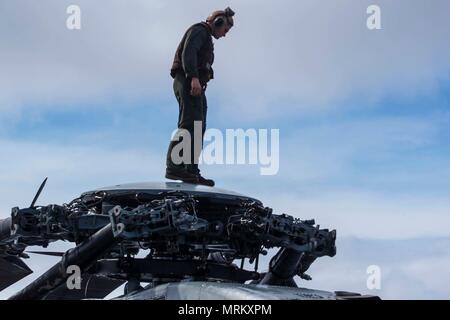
[5,228]
[38,193]
[83,255]
[92,287]
[12,269]
[48,253]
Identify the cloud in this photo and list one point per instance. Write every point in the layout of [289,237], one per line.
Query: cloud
[304,57]
[386,196]
[386,155]
[391,152]
[368,214]
[374,177]
[410,269]
[397,232]
[352,212]
[71,170]
[39,264]
[413,268]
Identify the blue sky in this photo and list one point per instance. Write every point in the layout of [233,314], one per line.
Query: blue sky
[364,117]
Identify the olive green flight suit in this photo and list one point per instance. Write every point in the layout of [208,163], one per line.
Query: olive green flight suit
[193,58]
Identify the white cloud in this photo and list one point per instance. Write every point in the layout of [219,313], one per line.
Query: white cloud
[410,269]
[369,215]
[381,152]
[71,170]
[303,56]
[413,272]
[39,264]
[378,155]
[317,178]
[433,272]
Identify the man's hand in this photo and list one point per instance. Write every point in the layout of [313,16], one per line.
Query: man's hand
[196,88]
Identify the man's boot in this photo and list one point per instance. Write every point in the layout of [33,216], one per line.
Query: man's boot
[183,175]
[193,168]
[204,181]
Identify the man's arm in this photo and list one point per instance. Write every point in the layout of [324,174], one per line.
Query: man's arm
[194,41]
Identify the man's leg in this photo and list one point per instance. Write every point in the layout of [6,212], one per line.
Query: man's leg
[170,164]
[190,110]
[194,167]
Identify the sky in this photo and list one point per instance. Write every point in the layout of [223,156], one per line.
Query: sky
[363,116]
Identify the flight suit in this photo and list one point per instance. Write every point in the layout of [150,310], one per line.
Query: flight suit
[193,58]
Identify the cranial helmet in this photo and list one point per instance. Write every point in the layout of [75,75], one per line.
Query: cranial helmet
[218,18]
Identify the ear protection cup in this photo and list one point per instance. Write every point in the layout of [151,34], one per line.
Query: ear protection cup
[219,17]
[219,21]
